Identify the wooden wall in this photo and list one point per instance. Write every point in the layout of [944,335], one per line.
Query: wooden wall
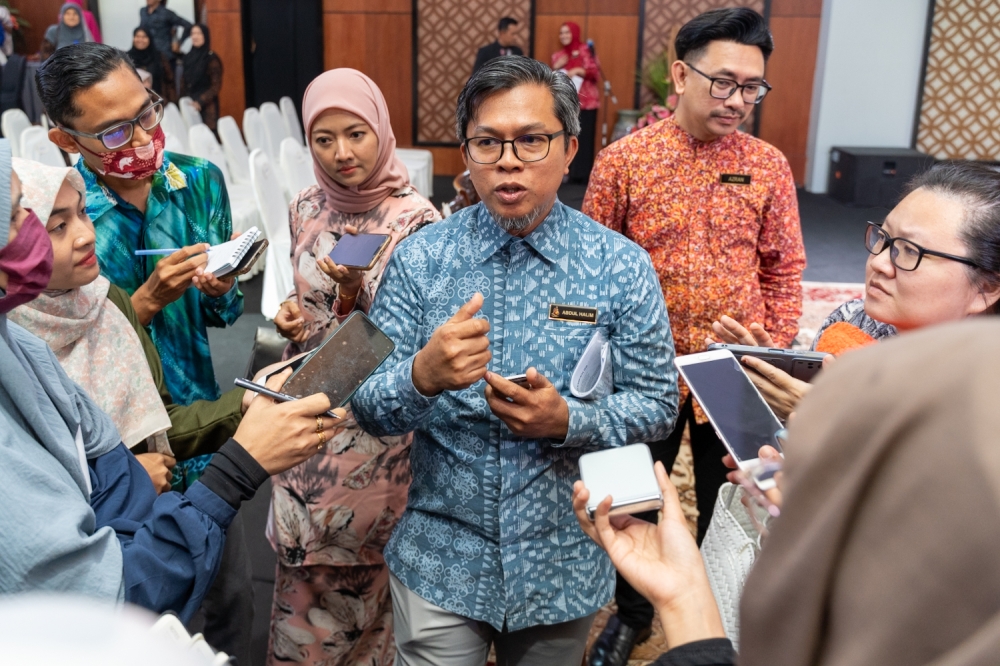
[784,120]
[40,14]
[224,20]
[614,27]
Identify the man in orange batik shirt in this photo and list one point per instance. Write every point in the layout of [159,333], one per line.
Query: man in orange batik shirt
[716,210]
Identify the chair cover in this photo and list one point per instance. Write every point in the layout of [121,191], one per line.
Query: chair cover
[297,167]
[420,164]
[174,143]
[237,155]
[274,214]
[253,132]
[291,117]
[35,145]
[274,129]
[173,125]
[13,122]
[190,114]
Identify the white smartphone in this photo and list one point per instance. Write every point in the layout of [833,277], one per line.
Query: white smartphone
[741,418]
[626,473]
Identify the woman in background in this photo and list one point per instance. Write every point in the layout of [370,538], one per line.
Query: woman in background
[69,30]
[333,516]
[201,78]
[89,20]
[580,65]
[145,56]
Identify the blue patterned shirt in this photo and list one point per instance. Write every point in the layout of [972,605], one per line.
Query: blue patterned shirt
[188,203]
[489,531]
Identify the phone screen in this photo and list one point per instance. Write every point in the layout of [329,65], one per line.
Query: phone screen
[343,362]
[357,250]
[742,417]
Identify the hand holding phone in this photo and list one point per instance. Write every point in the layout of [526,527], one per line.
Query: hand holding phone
[359,251]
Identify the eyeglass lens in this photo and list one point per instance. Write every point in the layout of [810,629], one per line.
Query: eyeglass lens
[118,136]
[903,254]
[527,148]
[723,89]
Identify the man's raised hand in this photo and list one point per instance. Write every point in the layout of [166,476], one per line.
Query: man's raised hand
[456,356]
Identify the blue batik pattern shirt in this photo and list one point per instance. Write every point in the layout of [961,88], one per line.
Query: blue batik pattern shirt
[489,531]
[188,203]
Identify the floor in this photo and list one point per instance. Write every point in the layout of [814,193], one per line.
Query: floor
[833,239]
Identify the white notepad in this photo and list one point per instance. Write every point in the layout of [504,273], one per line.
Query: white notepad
[225,257]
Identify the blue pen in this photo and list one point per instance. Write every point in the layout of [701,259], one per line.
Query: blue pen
[151,253]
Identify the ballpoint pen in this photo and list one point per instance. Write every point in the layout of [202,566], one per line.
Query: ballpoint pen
[274,395]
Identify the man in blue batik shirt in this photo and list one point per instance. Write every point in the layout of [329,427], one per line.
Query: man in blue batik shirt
[488,549]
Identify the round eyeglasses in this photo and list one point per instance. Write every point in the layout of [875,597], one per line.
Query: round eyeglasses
[527,147]
[904,254]
[120,134]
[722,88]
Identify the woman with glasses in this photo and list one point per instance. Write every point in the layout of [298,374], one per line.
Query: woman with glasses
[333,516]
[935,258]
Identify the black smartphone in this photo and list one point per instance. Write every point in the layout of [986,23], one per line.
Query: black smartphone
[342,363]
[359,250]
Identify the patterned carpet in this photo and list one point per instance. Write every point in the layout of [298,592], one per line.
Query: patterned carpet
[819,299]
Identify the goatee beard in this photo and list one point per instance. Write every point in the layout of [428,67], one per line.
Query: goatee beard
[512,225]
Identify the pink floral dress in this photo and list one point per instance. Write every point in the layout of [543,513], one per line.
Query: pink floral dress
[332,515]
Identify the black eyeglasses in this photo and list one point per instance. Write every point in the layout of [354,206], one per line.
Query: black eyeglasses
[904,254]
[120,134]
[527,148]
[724,88]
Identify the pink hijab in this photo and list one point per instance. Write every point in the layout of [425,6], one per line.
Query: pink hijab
[350,90]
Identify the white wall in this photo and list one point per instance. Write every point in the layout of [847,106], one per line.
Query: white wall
[120,17]
[868,73]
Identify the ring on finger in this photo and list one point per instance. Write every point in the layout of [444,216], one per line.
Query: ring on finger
[322,440]
[319,424]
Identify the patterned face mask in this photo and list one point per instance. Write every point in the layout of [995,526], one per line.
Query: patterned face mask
[138,163]
[27,261]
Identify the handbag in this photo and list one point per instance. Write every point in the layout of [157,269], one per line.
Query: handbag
[729,549]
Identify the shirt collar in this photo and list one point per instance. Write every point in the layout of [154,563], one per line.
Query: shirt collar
[100,198]
[548,238]
[674,129]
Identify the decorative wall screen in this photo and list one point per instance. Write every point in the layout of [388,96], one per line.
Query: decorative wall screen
[449,32]
[662,19]
[960,107]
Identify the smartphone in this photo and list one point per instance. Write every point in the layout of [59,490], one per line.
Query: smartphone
[626,473]
[342,363]
[802,365]
[521,380]
[741,418]
[359,250]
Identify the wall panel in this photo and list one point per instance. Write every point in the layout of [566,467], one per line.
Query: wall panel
[227,42]
[40,14]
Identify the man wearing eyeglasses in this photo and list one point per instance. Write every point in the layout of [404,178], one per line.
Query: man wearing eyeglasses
[487,550]
[716,209]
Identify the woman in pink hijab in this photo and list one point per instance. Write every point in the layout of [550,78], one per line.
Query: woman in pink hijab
[333,515]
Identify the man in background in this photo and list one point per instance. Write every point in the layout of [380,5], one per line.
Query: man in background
[505,44]
[161,25]
[716,210]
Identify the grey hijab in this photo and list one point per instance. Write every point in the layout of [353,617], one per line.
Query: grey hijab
[62,35]
[48,429]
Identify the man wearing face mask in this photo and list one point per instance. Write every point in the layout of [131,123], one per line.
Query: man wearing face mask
[716,210]
[142,198]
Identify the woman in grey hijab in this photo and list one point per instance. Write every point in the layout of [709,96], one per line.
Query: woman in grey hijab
[70,30]
[77,512]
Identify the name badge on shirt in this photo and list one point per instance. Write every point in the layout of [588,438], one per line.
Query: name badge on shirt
[573,313]
[735,179]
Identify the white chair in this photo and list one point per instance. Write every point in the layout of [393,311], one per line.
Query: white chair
[291,117]
[237,155]
[274,128]
[278,282]
[190,114]
[241,198]
[253,132]
[173,125]
[35,145]
[420,164]
[13,122]
[297,166]
[174,143]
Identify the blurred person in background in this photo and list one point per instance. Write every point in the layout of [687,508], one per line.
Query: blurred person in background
[69,30]
[505,44]
[201,76]
[145,56]
[576,60]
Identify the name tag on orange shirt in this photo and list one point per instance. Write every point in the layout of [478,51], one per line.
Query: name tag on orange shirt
[735,179]
[573,313]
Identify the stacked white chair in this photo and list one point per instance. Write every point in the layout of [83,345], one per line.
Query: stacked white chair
[297,166]
[35,145]
[13,122]
[174,126]
[241,197]
[253,131]
[175,143]
[237,155]
[278,282]
[291,117]
[274,128]
[190,114]
[420,164]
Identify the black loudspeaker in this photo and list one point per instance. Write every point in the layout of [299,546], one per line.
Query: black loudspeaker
[873,177]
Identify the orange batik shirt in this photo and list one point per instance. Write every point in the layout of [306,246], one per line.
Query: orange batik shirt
[720,221]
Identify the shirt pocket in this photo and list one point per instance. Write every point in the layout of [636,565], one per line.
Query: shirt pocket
[558,347]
